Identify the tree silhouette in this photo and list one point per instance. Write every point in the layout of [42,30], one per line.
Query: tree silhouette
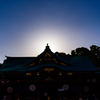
[80,52]
[93,53]
[0,64]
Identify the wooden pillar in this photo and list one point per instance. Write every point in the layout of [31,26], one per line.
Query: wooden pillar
[38,95]
[80,96]
[60,95]
[18,96]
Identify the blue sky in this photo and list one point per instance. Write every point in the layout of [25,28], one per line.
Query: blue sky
[26,26]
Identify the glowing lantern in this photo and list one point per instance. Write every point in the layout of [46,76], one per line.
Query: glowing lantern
[9,89]
[32,87]
[60,73]
[65,87]
[37,73]
[28,74]
[2,81]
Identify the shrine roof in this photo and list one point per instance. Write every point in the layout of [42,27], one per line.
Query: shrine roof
[66,63]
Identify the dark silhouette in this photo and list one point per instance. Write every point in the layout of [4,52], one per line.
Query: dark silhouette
[93,53]
[52,76]
[0,64]
[80,52]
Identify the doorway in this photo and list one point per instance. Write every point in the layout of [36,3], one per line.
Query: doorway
[49,93]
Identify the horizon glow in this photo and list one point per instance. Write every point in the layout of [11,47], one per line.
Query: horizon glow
[27,26]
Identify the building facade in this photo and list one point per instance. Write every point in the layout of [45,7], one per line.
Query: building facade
[49,77]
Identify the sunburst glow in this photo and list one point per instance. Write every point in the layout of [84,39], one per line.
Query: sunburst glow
[51,36]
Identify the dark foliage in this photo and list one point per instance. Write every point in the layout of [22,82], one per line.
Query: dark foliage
[80,52]
[0,64]
[93,53]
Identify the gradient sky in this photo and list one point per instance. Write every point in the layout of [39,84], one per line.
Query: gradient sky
[26,26]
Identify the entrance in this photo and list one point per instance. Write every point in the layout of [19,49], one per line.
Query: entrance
[49,93]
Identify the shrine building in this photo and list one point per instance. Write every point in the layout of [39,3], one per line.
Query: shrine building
[49,77]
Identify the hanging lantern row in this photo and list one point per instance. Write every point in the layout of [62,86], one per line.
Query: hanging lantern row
[93,80]
[65,87]
[32,87]
[5,81]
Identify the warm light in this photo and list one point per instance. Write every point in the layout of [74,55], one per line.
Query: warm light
[47,54]
[48,69]
[37,73]
[54,59]
[60,73]
[69,73]
[41,59]
[32,64]
[48,98]
[28,73]
[63,64]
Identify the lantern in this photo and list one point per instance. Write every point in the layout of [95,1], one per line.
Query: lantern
[65,87]
[32,87]
[9,89]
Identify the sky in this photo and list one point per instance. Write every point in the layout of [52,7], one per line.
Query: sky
[26,26]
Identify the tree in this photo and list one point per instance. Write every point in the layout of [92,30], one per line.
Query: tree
[0,64]
[95,55]
[80,52]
